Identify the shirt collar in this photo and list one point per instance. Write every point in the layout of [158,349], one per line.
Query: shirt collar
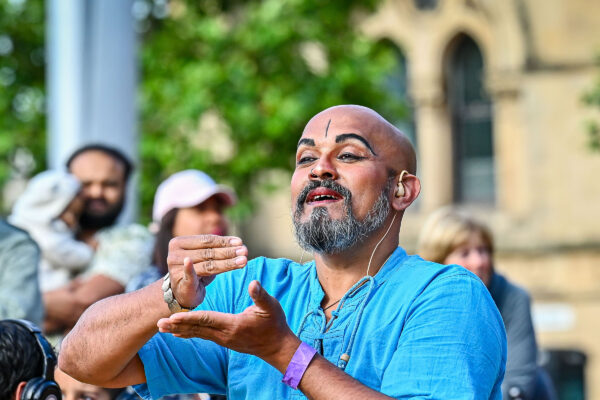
[317,293]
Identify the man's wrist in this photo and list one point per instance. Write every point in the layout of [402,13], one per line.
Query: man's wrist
[298,365]
[169,296]
[281,358]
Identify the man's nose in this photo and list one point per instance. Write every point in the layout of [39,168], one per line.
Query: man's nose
[94,191]
[215,216]
[324,169]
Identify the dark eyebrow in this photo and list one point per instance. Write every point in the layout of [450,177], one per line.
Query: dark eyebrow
[308,142]
[346,136]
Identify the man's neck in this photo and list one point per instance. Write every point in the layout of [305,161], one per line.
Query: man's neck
[339,272]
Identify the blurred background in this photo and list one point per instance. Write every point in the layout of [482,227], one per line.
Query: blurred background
[501,98]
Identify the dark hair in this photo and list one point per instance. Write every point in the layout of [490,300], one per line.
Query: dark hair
[162,239]
[20,358]
[109,151]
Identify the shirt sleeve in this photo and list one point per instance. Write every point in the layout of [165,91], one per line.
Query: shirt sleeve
[181,366]
[123,252]
[20,295]
[452,345]
[521,364]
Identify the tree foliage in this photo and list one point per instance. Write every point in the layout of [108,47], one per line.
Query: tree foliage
[22,121]
[227,86]
[592,99]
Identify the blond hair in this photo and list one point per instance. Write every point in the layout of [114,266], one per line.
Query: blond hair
[445,230]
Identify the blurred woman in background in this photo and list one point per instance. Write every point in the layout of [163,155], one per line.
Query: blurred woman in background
[187,203]
[453,237]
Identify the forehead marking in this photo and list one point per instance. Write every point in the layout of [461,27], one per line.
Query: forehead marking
[327,129]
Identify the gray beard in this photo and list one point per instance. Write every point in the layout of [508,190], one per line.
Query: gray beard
[324,235]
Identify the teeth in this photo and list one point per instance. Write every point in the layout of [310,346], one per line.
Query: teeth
[323,197]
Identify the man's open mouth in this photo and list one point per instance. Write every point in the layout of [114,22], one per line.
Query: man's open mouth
[322,195]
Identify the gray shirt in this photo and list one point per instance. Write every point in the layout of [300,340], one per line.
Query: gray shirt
[19,287]
[521,360]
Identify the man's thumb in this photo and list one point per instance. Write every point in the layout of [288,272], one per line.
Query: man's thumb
[188,270]
[259,295]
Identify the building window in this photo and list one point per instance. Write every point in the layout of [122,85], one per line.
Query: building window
[471,113]
[426,4]
[397,84]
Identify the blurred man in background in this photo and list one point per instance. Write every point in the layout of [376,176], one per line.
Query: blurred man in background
[121,251]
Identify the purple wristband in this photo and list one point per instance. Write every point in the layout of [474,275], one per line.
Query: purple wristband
[297,366]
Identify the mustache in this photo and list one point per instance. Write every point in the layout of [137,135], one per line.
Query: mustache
[329,184]
[94,201]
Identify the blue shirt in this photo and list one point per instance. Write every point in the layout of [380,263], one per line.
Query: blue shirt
[425,331]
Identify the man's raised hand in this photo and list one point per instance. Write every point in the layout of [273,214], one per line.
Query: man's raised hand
[195,260]
[261,329]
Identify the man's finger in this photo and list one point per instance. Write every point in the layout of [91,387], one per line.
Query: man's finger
[203,242]
[188,270]
[259,296]
[213,267]
[183,322]
[200,255]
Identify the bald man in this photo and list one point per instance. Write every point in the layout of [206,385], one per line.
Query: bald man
[363,320]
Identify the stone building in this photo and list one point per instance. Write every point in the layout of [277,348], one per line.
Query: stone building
[499,125]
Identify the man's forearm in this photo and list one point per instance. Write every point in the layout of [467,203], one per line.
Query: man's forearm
[322,379]
[102,346]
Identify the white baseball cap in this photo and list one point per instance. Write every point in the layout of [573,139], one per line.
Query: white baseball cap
[187,189]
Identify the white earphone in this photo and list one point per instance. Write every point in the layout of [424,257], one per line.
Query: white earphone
[400,189]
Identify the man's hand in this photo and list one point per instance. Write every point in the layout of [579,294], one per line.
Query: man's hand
[195,260]
[260,330]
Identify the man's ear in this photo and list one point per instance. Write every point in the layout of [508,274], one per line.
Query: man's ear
[410,187]
[19,391]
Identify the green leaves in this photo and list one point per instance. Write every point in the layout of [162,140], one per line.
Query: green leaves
[265,68]
[22,121]
[592,99]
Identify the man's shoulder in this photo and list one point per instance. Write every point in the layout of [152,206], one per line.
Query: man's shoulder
[413,269]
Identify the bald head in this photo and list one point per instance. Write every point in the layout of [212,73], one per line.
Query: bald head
[383,138]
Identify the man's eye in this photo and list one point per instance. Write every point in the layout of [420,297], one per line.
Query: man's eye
[304,160]
[349,157]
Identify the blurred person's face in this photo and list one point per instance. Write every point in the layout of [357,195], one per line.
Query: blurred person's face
[74,390]
[103,188]
[204,218]
[475,256]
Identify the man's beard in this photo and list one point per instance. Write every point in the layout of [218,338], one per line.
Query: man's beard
[94,220]
[324,235]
